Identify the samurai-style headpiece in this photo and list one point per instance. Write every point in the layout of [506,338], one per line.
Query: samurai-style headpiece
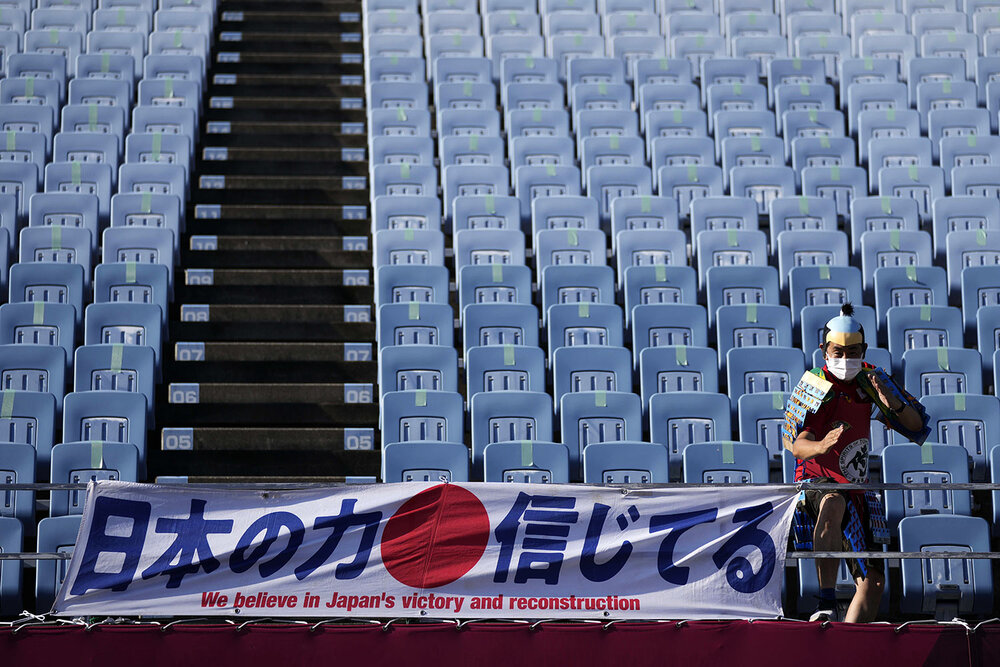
[844,329]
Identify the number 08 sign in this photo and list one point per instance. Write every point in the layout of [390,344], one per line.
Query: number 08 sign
[430,550]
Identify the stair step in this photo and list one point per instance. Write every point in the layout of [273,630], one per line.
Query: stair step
[272,323]
[286,164]
[239,260]
[263,414]
[257,296]
[281,112]
[320,451]
[200,245]
[235,62]
[283,135]
[270,371]
[282,156]
[334,441]
[278,277]
[197,352]
[335,85]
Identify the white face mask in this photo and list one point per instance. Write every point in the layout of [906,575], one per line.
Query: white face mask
[843,368]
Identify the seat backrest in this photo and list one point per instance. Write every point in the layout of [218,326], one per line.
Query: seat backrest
[507,416]
[591,417]
[82,462]
[724,462]
[504,368]
[527,462]
[55,534]
[626,463]
[117,367]
[418,367]
[672,368]
[680,418]
[425,462]
[421,415]
[590,368]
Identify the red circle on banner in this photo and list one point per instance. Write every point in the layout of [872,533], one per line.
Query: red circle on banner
[435,537]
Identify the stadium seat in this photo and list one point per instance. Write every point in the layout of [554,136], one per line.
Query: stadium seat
[725,462]
[800,213]
[504,368]
[660,324]
[964,249]
[408,247]
[944,370]
[924,184]
[488,247]
[841,184]
[812,248]
[761,417]
[980,289]
[116,367]
[915,327]
[507,416]
[485,212]
[494,283]
[895,248]
[962,213]
[402,284]
[564,212]
[909,286]
[527,462]
[822,286]
[418,367]
[425,462]
[584,324]
[55,535]
[112,416]
[578,247]
[680,418]
[672,368]
[39,323]
[569,284]
[970,421]
[591,417]
[752,325]
[721,213]
[626,463]
[750,370]
[48,282]
[17,466]
[590,368]
[499,324]
[83,462]
[881,214]
[421,416]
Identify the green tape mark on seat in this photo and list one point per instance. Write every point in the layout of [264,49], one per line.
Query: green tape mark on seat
[803,205]
[777,400]
[53,36]
[894,239]
[614,142]
[117,349]
[631,19]
[732,238]
[130,272]
[550,169]
[583,309]
[92,117]
[11,140]
[664,63]
[414,310]
[408,234]
[96,454]
[75,172]
[577,40]
[835,172]
[692,171]
[121,16]
[527,460]
[400,114]
[29,86]
[177,39]
[508,355]
[105,63]
[646,204]
[927,453]
[824,142]
[7,410]
[911,171]
[751,313]
[728,456]
[869,64]
[572,237]
[420,398]
[824,271]
[971,140]
[512,18]
[660,273]
[886,205]
[600,399]
[394,60]
[753,18]
[536,115]
[56,237]
[168,86]
[823,41]
[700,41]
[529,62]
[147,202]
[804,89]
[491,204]
[755,144]
[946,86]
[952,37]
[681,355]
[404,169]
[960,402]
[157,145]
[602,87]
[942,359]
[813,115]
[497,272]
[738,88]
[393,16]
[456,40]
[925,313]
[38,313]
[473,142]
[467,89]
[890,115]
[980,237]
[797,64]
[911,273]
[678,115]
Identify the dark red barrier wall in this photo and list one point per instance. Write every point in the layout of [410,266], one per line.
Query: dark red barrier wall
[729,644]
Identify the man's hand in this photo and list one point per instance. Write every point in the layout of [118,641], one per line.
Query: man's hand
[827,443]
[884,393]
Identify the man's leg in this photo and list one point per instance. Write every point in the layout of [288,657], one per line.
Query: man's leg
[864,606]
[828,536]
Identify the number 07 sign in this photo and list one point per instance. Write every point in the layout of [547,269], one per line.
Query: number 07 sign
[430,550]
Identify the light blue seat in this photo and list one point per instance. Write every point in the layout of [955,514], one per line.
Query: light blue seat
[591,417]
[164,93]
[841,184]
[83,462]
[633,48]
[925,184]
[900,248]
[733,97]
[601,122]
[893,122]
[614,151]
[141,245]
[473,180]
[421,416]
[674,124]
[17,179]
[897,45]
[750,152]
[800,213]
[176,55]
[980,289]
[586,70]
[570,284]
[689,21]
[44,95]
[483,212]
[626,463]
[125,324]
[504,368]
[643,212]
[507,416]
[590,368]
[532,182]
[11,541]
[822,286]
[500,324]
[564,48]
[728,248]
[456,69]
[962,45]
[761,48]
[451,23]
[814,248]
[425,462]
[48,282]
[969,421]
[813,319]
[542,151]
[793,71]
[394,180]
[116,367]
[724,462]
[953,124]
[111,416]
[736,285]
[722,213]
[658,284]
[970,248]
[180,120]
[56,534]
[411,247]
[878,214]
[687,183]
[909,286]
[89,147]
[584,324]
[943,587]
[646,247]
[533,96]
[128,282]
[39,323]
[132,17]
[25,147]
[82,177]
[464,97]
[726,71]
[382,122]
[564,212]
[823,124]
[418,367]
[415,323]
[503,46]
[681,151]
[400,46]
[568,18]
[667,324]
[672,368]
[944,370]
[986,69]
[759,124]
[916,327]
[988,335]
[390,23]
[680,418]
[403,284]
[978,181]
[402,212]
[761,418]
[17,466]
[822,152]
[494,283]
[526,462]
[40,66]
[751,325]
[395,150]
[102,92]
[526,70]
[557,247]
[750,370]
[668,97]
[472,151]
[33,368]
[965,152]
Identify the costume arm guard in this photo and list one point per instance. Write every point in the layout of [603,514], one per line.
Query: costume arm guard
[810,393]
[887,416]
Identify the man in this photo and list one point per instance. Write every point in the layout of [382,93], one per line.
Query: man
[827,429]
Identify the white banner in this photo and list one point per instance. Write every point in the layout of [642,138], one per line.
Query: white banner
[430,550]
